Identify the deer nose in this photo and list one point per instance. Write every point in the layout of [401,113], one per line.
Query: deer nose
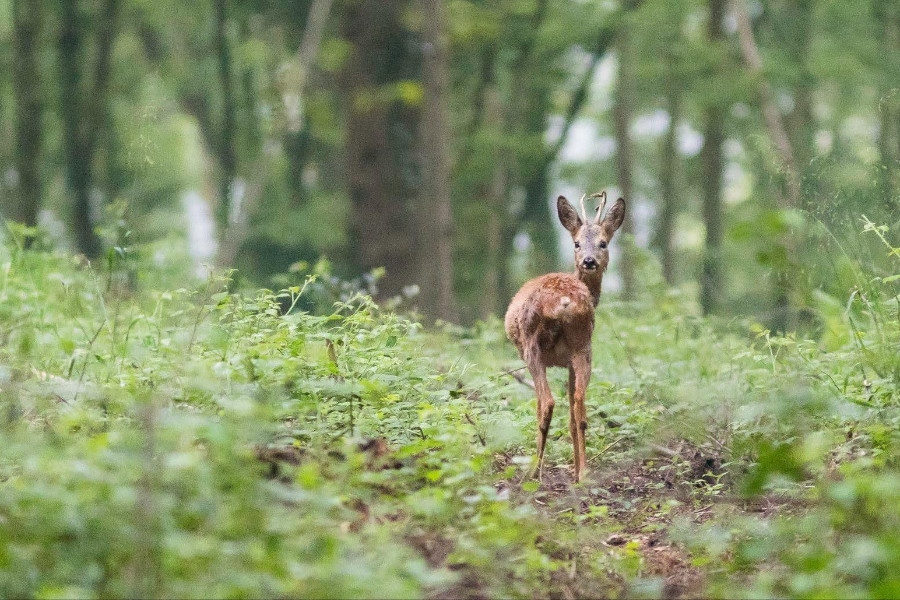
[589,262]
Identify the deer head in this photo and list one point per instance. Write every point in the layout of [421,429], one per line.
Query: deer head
[591,236]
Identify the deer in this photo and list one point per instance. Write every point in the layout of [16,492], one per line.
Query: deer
[551,320]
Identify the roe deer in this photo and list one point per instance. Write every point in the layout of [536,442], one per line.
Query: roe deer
[551,319]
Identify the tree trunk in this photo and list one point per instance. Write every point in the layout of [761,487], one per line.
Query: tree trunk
[622,116]
[226,146]
[669,186]
[78,179]
[380,144]
[437,245]
[803,125]
[889,137]
[84,110]
[297,137]
[711,156]
[28,22]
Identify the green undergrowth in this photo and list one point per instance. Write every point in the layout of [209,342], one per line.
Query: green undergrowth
[201,442]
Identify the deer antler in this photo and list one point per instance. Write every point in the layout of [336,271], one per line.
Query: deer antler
[602,197]
[583,212]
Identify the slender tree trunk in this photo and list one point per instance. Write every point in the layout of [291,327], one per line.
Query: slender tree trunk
[27,25]
[889,137]
[438,243]
[71,59]
[803,124]
[711,279]
[96,107]
[227,147]
[622,116]
[669,187]
[297,137]
[380,144]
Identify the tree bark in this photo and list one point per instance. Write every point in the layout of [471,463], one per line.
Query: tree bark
[622,116]
[437,245]
[28,21]
[669,185]
[711,156]
[226,146]
[381,144]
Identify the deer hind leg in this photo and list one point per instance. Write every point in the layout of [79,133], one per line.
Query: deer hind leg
[573,419]
[545,404]
[581,366]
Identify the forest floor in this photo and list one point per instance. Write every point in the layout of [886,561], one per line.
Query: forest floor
[204,442]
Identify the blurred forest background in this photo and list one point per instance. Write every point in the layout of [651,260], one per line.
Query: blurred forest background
[430,139]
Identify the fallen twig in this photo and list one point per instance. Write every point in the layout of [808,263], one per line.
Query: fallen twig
[520,378]
[605,450]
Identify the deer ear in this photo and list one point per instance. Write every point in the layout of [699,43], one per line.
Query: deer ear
[614,218]
[568,216]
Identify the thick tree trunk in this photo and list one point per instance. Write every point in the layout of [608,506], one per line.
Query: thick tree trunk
[78,179]
[380,144]
[27,25]
[437,244]
[711,278]
[669,186]
[622,116]
[83,110]
[226,146]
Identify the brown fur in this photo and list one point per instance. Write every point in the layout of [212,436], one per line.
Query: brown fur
[551,320]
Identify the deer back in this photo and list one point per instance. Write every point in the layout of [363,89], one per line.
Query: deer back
[550,310]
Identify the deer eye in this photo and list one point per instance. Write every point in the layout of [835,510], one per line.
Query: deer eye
[577,245]
[603,244]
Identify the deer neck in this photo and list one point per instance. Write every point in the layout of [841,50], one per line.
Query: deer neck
[594,281]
